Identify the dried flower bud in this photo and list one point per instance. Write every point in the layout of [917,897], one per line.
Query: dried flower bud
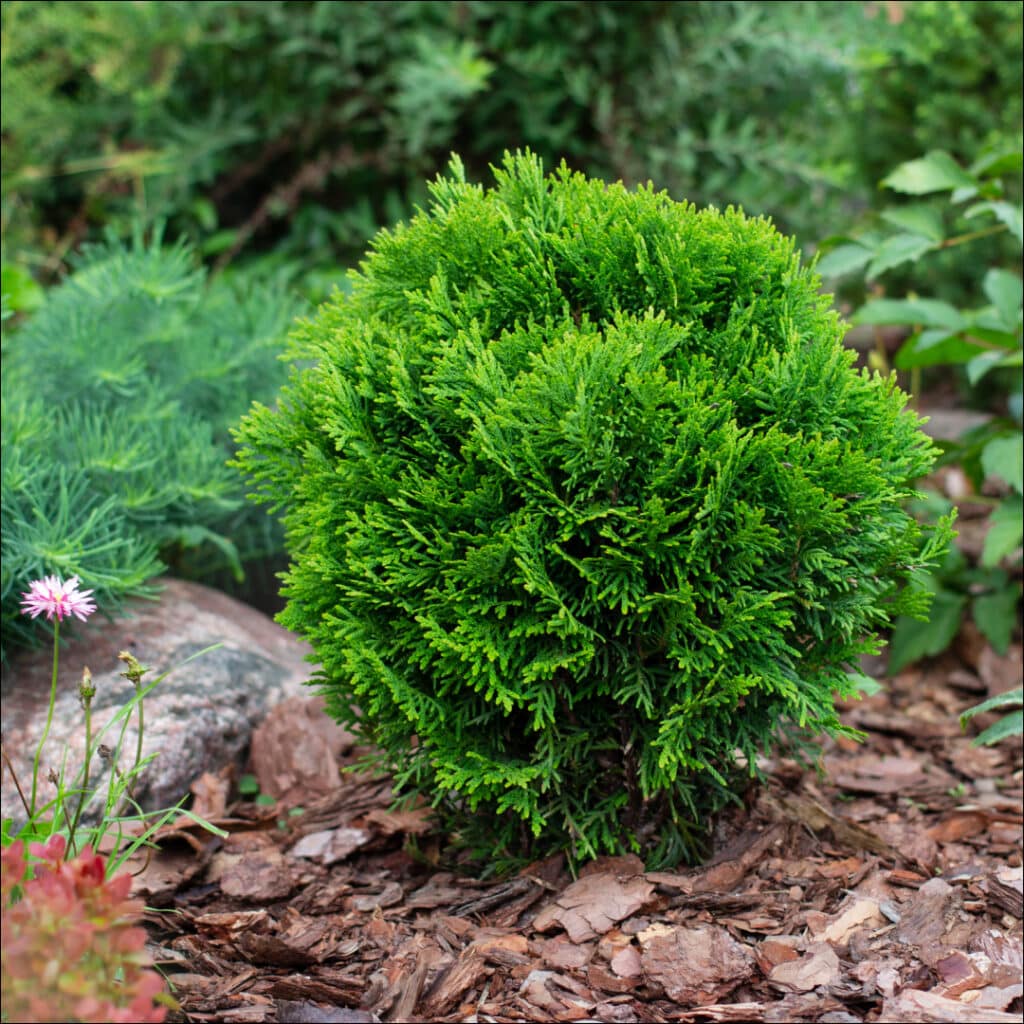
[135,670]
[86,688]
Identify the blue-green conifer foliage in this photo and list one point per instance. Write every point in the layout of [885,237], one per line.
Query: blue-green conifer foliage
[586,506]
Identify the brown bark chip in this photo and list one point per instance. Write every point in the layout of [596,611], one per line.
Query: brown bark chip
[593,904]
[695,965]
[295,751]
[817,968]
[888,889]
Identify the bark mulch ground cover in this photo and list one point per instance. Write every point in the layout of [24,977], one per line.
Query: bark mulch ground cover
[884,887]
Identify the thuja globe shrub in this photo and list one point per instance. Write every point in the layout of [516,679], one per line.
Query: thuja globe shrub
[586,506]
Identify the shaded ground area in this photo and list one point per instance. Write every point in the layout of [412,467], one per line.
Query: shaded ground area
[887,888]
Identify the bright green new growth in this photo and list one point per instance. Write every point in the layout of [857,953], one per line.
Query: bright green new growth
[583,493]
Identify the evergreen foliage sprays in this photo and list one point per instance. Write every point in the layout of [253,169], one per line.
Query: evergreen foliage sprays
[116,398]
[586,505]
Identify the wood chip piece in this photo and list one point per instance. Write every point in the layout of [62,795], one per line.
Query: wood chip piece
[817,968]
[862,912]
[912,1006]
[330,845]
[593,904]
[1006,888]
[695,964]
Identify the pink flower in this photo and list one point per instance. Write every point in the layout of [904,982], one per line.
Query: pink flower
[51,596]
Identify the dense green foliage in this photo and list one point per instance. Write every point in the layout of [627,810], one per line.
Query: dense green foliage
[951,79]
[307,125]
[983,340]
[583,497]
[117,395]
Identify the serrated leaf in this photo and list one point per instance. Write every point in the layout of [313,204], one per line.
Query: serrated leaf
[935,172]
[896,250]
[996,615]
[927,312]
[844,260]
[1005,531]
[1005,291]
[917,220]
[912,639]
[1004,457]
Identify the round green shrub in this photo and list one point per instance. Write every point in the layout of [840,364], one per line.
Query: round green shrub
[586,506]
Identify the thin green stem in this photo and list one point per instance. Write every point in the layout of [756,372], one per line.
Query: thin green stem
[129,786]
[49,719]
[85,778]
[138,741]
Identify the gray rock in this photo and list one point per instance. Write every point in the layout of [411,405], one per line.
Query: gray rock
[199,718]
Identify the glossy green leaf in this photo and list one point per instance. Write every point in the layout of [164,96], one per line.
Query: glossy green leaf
[1010,725]
[927,312]
[917,220]
[930,339]
[1005,292]
[1003,339]
[1004,457]
[938,348]
[994,703]
[844,260]
[898,249]
[980,365]
[996,615]
[912,639]
[936,172]
[1005,531]
[998,162]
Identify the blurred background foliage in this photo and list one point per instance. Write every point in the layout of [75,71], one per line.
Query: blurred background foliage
[274,138]
[290,131]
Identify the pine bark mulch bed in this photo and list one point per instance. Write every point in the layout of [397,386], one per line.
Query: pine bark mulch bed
[885,888]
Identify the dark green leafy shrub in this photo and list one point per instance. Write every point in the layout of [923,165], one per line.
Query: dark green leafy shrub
[117,394]
[981,341]
[949,77]
[309,124]
[583,493]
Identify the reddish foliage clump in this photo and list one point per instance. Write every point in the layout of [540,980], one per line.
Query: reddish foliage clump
[71,950]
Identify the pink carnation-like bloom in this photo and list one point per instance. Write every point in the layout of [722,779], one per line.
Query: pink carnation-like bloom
[52,597]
